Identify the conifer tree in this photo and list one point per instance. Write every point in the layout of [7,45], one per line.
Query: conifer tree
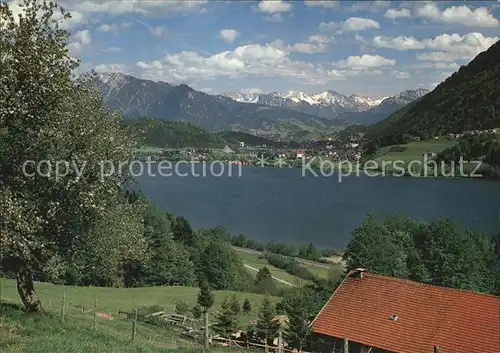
[247,306]
[235,305]
[226,319]
[205,300]
[267,326]
[205,297]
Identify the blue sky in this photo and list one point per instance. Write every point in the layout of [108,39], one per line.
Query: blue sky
[369,48]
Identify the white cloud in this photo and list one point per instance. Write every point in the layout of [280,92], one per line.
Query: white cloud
[468,45]
[463,47]
[364,61]
[153,8]
[308,48]
[394,14]
[79,40]
[274,9]
[367,6]
[121,68]
[274,6]
[318,38]
[314,44]
[359,24]
[251,90]
[206,89]
[438,56]
[158,31]
[76,19]
[463,15]
[401,75]
[352,24]
[107,28]
[228,35]
[428,10]
[253,60]
[330,4]
[83,37]
[399,43]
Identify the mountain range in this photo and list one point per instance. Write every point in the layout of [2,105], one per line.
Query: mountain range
[387,106]
[144,98]
[277,113]
[327,104]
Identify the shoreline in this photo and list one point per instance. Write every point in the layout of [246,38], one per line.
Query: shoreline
[374,172]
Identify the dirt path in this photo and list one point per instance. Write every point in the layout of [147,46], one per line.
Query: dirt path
[303,261]
[275,278]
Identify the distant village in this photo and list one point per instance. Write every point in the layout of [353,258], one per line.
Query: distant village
[334,150]
[347,149]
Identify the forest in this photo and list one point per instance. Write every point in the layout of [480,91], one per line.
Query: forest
[467,100]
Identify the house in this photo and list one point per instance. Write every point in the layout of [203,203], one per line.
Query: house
[301,154]
[373,313]
[242,144]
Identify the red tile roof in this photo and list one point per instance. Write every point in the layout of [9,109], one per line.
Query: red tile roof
[457,321]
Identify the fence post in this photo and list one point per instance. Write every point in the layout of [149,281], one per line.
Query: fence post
[63,302]
[205,341]
[280,342]
[134,323]
[95,314]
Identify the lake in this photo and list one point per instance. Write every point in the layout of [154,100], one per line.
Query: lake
[281,204]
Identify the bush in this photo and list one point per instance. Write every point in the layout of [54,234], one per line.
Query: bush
[398,149]
[291,266]
[181,307]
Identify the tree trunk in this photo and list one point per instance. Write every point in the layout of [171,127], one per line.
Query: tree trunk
[26,290]
[206,344]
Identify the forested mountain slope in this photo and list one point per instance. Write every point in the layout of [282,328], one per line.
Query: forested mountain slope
[467,100]
[172,134]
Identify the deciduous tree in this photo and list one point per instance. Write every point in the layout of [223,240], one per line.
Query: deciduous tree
[50,117]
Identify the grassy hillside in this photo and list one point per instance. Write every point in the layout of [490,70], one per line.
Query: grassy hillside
[42,333]
[37,333]
[110,300]
[256,260]
[467,100]
[413,151]
[21,332]
[173,134]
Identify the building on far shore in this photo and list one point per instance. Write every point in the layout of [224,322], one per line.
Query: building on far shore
[300,154]
[379,314]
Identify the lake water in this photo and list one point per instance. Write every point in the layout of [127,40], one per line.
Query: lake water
[281,204]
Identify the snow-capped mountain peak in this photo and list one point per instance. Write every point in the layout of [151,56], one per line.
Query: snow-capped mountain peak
[327,104]
[243,97]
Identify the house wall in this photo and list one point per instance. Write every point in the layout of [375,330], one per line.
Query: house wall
[330,344]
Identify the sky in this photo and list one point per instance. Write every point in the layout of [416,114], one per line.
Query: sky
[367,48]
